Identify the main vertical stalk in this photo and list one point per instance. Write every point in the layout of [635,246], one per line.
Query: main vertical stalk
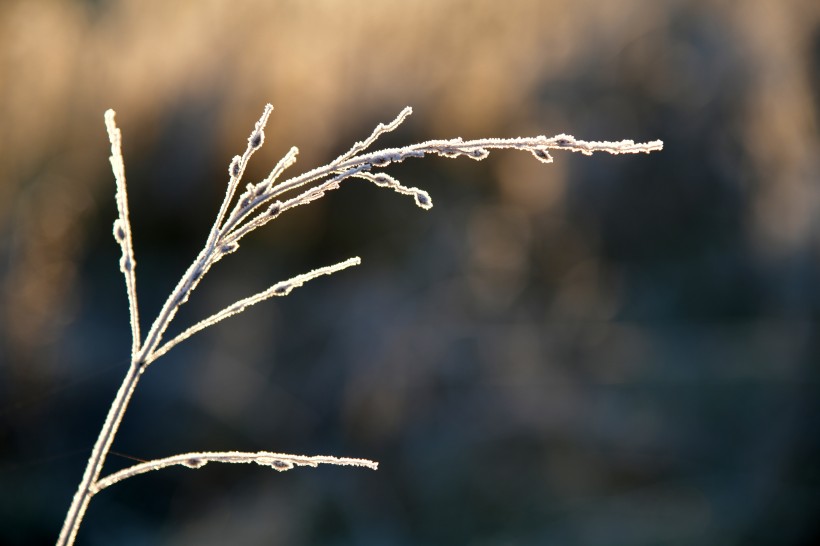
[101,448]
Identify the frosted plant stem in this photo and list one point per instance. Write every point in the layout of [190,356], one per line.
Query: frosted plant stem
[143,353]
[122,234]
[98,455]
[138,365]
[279,289]
[224,238]
[278,461]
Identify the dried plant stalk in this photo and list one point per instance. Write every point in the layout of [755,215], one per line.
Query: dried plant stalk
[256,206]
[277,461]
[279,289]
[122,229]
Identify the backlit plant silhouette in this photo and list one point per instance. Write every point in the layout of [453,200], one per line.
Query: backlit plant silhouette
[257,205]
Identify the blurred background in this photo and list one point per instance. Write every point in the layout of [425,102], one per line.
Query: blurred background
[601,351]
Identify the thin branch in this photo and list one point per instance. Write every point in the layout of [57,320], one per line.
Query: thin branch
[122,229]
[237,168]
[250,200]
[361,165]
[479,149]
[288,160]
[85,490]
[282,288]
[474,149]
[422,198]
[278,461]
[380,129]
[182,291]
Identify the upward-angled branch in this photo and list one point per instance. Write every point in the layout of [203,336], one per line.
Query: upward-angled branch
[122,229]
[380,129]
[282,288]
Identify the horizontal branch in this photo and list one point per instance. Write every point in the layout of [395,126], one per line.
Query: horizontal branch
[347,166]
[236,169]
[277,461]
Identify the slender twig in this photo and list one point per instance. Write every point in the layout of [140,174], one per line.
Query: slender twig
[122,229]
[85,490]
[380,129]
[277,461]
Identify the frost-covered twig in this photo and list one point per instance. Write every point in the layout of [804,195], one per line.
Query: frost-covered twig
[282,288]
[277,461]
[122,229]
[255,207]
